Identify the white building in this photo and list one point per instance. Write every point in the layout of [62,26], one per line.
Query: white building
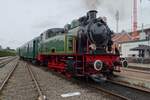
[127,46]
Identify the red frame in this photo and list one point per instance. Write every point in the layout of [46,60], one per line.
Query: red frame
[58,62]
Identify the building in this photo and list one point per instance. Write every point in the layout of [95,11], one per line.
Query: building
[127,43]
[120,38]
[133,48]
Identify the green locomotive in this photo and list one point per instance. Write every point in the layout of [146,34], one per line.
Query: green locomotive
[82,48]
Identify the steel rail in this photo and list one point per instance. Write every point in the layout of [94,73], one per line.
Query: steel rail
[91,86]
[3,58]
[6,61]
[108,92]
[97,87]
[41,96]
[130,86]
[8,76]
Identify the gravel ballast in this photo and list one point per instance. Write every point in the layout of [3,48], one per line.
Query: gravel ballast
[20,85]
[53,87]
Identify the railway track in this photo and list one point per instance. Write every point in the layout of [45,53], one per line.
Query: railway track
[122,90]
[2,58]
[108,92]
[20,84]
[115,89]
[6,61]
[47,87]
[41,95]
[130,86]
[126,91]
[91,86]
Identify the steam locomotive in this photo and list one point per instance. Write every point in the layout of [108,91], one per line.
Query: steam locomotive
[80,49]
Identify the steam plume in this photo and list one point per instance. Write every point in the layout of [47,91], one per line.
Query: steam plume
[111,6]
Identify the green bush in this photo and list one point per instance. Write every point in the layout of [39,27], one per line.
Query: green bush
[4,53]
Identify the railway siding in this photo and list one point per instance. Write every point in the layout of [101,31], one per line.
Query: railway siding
[5,61]
[126,91]
[2,58]
[20,85]
[5,70]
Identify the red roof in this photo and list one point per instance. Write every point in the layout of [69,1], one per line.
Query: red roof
[121,37]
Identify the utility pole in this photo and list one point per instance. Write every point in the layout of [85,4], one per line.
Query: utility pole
[117,21]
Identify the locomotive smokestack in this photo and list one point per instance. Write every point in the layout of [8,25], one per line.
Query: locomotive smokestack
[91,14]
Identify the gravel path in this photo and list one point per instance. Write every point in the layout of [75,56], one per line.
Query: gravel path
[53,86]
[20,86]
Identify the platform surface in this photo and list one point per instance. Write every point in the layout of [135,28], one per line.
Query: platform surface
[139,65]
[135,77]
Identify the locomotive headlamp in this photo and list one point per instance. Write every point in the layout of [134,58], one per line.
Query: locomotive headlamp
[98,65]
[124,63]
[93,46]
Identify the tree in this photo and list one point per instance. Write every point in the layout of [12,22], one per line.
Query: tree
[7,48]
[0,47]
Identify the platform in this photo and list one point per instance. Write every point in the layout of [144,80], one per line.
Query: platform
[139,65]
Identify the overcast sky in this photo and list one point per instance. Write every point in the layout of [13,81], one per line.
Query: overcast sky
[22,20]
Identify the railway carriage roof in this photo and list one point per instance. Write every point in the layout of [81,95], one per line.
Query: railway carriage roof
[24,45]
[49,31]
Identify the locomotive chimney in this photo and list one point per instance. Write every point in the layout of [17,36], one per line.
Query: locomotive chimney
[91,14]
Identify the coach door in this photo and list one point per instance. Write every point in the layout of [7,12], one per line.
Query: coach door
[34,48]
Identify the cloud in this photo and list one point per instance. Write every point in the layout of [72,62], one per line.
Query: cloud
[22,20]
